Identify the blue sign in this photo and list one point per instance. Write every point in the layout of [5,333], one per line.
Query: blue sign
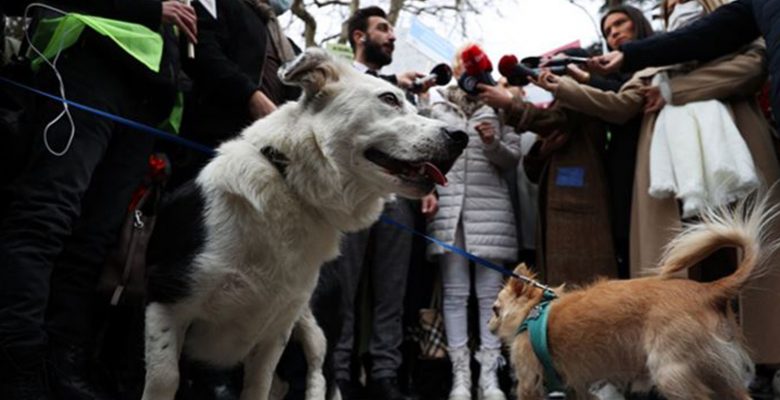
[570,177]
[431,40]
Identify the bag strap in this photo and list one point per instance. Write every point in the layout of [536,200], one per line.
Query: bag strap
[138,222]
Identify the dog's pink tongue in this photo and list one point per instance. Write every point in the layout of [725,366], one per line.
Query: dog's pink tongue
[434,172]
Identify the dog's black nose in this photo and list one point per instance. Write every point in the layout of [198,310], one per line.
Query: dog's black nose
[457,136]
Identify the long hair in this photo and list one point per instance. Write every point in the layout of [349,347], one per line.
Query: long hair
[642,27]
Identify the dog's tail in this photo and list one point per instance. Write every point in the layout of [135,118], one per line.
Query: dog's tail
[746,226]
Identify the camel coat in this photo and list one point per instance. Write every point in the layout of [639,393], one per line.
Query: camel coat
[735,79]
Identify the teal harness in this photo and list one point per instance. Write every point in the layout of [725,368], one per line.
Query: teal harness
[536,325]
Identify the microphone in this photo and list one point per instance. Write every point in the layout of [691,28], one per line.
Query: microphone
[478,68]
[516,73]
[441,74]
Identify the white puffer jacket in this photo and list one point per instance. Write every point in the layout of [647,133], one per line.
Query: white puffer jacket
[477,192]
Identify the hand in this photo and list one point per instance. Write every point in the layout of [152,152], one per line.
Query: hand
[486,132]
[406,80]
[577,73]
[608,63]
[430,205]
[183,16]
[260,105]
[552,143]
[547,81]
[654,101]
[494,96]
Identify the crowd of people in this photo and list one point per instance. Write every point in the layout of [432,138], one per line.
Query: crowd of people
[637,142]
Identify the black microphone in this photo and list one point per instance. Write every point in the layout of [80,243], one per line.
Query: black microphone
[441,74]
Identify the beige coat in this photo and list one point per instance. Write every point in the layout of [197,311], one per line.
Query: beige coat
[734,79]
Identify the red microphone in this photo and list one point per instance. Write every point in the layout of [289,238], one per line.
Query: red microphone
[507,64]
[478,67]
[516,73]
[475,61]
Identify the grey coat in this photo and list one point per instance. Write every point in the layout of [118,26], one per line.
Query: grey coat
[477,192]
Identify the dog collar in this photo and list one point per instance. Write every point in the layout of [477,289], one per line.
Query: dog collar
[536,325]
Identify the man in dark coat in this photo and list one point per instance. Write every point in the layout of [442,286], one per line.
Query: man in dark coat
[722,32]
[234,77]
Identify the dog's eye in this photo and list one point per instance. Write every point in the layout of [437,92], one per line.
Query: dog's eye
[390,99]
[496,311]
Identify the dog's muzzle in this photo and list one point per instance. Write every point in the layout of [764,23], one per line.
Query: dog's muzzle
[456,138]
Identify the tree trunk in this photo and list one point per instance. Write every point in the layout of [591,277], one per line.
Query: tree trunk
[395,11]
[354,5]
[310,30]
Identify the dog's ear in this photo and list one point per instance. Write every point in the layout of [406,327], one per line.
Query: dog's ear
[311,70]
[523,270]
[517,286]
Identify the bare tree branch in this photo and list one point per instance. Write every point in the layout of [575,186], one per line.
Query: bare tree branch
[354,5]
[321,4]
[394,11]
[310,30]
[329,38]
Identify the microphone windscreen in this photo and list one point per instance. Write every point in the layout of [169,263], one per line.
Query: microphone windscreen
[475,61]
[507,65]
[443,74]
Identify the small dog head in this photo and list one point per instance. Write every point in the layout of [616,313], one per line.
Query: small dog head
[367,131]
[513,304]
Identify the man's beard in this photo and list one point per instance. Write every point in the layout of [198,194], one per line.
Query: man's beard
[375,54]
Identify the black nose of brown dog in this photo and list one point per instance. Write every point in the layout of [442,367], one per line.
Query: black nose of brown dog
[457,136]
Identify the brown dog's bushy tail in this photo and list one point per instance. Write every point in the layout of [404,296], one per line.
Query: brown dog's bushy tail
[745,226]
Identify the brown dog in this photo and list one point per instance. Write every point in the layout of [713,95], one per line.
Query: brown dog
[675,334]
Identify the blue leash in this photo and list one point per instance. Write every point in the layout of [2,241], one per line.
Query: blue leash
[208,150]
[124,121]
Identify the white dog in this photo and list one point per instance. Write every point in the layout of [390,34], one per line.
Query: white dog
[273,206]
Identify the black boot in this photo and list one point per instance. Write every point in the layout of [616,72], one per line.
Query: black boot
[70,375]
[22,375]
[350,390]
[386,389]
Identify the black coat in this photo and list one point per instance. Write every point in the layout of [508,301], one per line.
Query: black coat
[226,71]
[724,31]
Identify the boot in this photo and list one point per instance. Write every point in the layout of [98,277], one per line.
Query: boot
[776,384]
[70,375]
[23,374]
[489,361]
[386,389]
[461,373]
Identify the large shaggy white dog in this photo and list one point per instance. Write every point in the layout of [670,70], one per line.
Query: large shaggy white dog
[273,206]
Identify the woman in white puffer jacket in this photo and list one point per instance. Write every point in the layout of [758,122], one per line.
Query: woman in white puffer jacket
[475,213]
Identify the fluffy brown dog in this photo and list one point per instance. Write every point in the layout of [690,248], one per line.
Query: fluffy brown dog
[676,334]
